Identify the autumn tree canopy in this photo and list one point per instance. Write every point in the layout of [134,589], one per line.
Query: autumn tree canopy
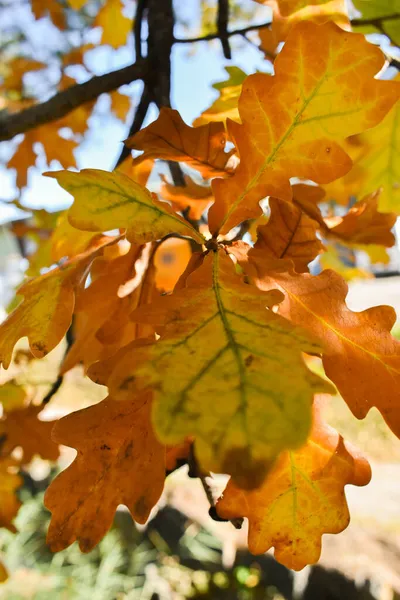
[191,297]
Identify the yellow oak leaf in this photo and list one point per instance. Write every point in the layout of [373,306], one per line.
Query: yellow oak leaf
[45,313]
[54,9]
[169,138]
[119,461]
[378,161]
[293,121]
[66,241]
[226,370]
[10,481]
[192,195]
[106,201]
[359,354]
[301,498]
[226,105]
[115,25]
[77,4]
[22,428]
[364,224]
[333,259]
[289,233]
[12,395]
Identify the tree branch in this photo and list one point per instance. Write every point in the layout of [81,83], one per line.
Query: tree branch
[222,26]
[140,115]
[215,36]
[64,102]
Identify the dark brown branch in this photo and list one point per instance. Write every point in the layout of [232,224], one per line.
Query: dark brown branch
[137,28]
[222,26]
[215,36]
[64,102]
[140,115]
[395,63]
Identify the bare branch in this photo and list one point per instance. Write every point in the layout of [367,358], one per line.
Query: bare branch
[215,36]
[140,115]
[64,102]
[222,25]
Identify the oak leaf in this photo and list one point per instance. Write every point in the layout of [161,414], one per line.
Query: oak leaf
[41,8]
[378,160]
[292,122]
[217,336]
[115,25]
[45,313]
[191,195]
[119,461]
[10,481]
[364,224]
[12,395]
[22,428]
[102,323]
[359,354]
[318,12]
[385,14]
[226,105]
[169,138]
[289,233]
[170,261]
[23,158]
[288,7]
[120,105]
[301,499]
[106,201]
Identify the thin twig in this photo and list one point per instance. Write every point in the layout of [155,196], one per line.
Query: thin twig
[222,26]
[215,36]
[66,101]
[58,382]
[140,115]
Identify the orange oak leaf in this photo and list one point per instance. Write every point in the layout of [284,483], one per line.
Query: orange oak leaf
[22,428]
[288,7]
[23,158]
[41,8]
[120,105]
[289,233]
[115,25]
[119,461]
[191,195]
[301,498]
[10,481]
[15,70]
[169,138]
[102,323]
[282,21]
[293,121]
[175,454]
[170,261]
[215,339]
[104,201]
[364,224]
[359,354]
[45,313]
